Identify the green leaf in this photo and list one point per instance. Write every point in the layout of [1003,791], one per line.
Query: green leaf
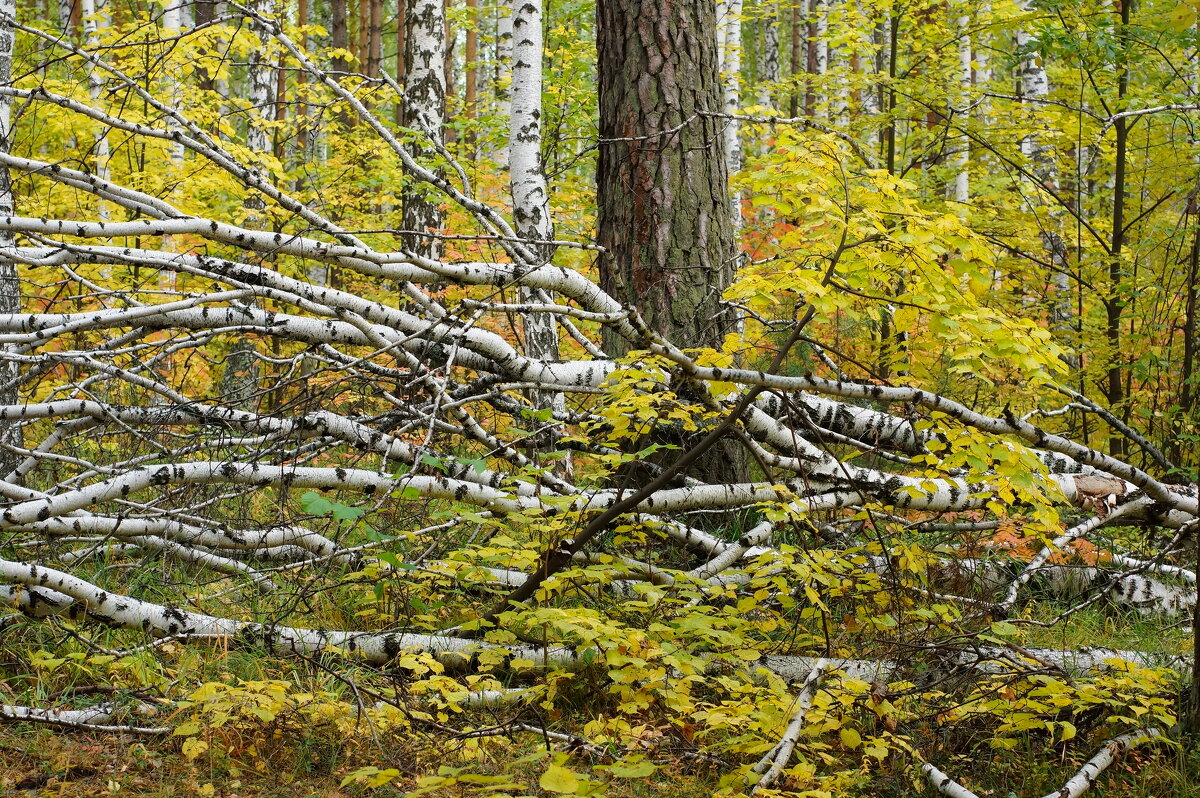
[1004,629]
[314,503]
[430,460]
[344,512]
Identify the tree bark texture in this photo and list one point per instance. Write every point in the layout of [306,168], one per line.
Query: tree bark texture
[425,111]
[339,33]
[662,181]
[531,202]
[10,285]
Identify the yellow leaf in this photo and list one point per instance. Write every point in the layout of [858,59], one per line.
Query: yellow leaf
[850,738]
[194,747]
[558,779]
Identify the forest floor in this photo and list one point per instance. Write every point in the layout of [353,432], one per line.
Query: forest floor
[40,761]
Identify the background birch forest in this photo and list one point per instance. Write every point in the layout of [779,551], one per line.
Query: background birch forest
[599,397]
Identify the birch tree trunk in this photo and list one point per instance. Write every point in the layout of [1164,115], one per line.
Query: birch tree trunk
[962,180]
[820,11]
[10,285]
[870,98]
[531,204]
[471,76]
[240,378]
[769,61]
[1035,89]
[502,80]
[425,111]
[92,16]
[731,79]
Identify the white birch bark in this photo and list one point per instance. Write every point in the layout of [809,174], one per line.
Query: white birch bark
[731,74]
[729,38]
[261,89]
[769,53]
[870,61]
[1035,88]
[425,111]
[95,17]
[64,16]
[531,202]
[962,180]
[503,73]
[172,23]
[10,285]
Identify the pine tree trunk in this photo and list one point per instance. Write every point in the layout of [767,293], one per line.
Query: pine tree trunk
[339,34]
[363,36]
[663,197]
[662,186]
[375,39]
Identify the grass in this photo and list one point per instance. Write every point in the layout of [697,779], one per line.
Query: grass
[294,755]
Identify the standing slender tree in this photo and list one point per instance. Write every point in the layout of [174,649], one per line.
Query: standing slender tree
[1114,302]
[768,66]
[425,112]
[471,77]
[93,13]
[531,202]
[1035,90]
[10,285]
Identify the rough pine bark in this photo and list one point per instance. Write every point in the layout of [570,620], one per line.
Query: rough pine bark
[339,34]
[662,182]
[663,186]
[375,39]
